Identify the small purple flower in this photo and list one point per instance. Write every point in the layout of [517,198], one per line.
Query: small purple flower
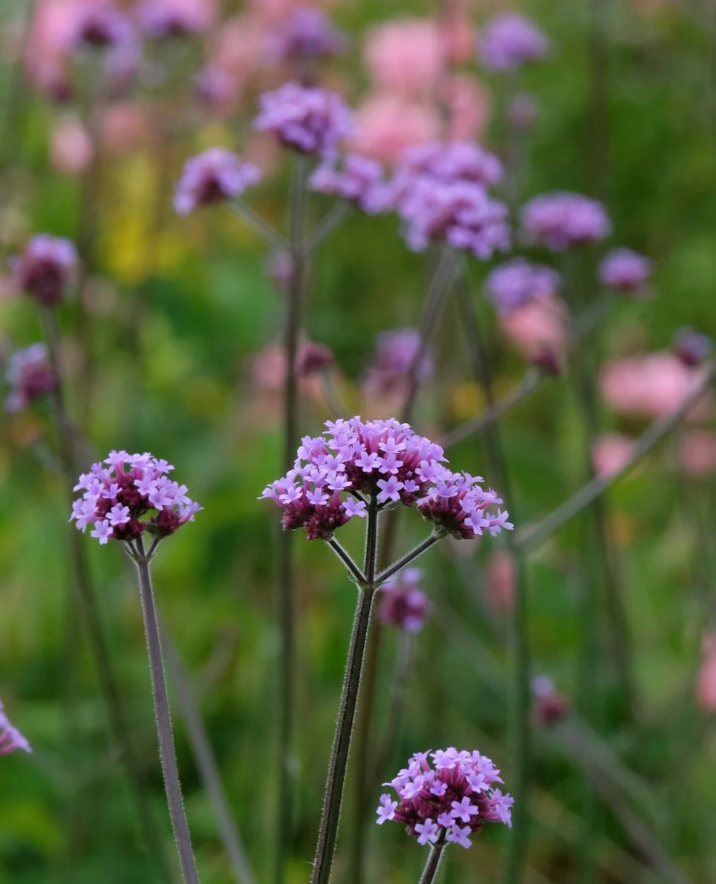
[159,19]
[395,352]
[439,803]
[118,498]
[383,461]
[549,705]
[402,603]
[10,737]
[559,221]
[448,161]
[30,377]
[625,271]
[691,347]
[308,33]
[45,268]
[510,40]
[358,179]
[518,282]
[212,177]
[307,119]
[100,24]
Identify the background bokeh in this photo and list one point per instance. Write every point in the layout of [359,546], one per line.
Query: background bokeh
[181,316]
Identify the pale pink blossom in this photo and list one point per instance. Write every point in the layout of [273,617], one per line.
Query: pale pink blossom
[406,56]
[124,126]
[387,124]
[500,581]
[537,327]
[468,107]
[651,386]
[706,679]
[697,453]
[71,147]
[610,453]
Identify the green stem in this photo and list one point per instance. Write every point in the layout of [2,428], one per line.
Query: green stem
[433,864]
[167,749]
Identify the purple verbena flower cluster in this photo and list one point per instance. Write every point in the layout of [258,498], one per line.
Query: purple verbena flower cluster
[625,271]
[30,377]
[402,603]
[355,178]
[448,161]
[10,737]
[168,18]
[118,495]
[211,177]
[337,475]
[310,120]
[307,33]
[45,268]
[518,282]
[395,352]
[448,800]
[559,221]
[510,40]
[100,24]
[692,347]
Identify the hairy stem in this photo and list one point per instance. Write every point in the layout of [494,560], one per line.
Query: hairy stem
[433,864]
[409,557]
[167,749]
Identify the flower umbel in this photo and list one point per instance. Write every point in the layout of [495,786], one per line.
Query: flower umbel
[10,737]
[212,177]
[625,271]
[559,221]
[402,603]
[30,377]
[337,475]
[45,268]
[518,282]
[510,40]
[449,799]
[358,179]
[129,496]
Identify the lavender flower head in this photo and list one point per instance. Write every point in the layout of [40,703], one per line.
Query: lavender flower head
[116,499]
[307,119]
[336,476]
[45,268]
[510,40]
[357,178]
[100,24]
[10,737]
[692,347]
[173,18]
[449,161]
[518,282]
[559,221]
[212,177]
[448,800]
[402,603]
[625,271]
[30,377]
[396,351]
[308,33]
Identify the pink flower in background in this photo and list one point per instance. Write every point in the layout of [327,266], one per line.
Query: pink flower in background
[561,220]
[125,125]
[468,107]
[405,57]
[537,327]
[625,271]
[697,453]
[651,386]
[167,18]
[500,581]
[71,147]
[510,40]
[402,603]
[523,111]
[706,680]
[10,737]
[50,40]
[386,124]
[611,452]
[30,377]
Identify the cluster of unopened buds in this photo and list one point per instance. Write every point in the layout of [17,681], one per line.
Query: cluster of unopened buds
[357,464]
[448,800]
[128,494]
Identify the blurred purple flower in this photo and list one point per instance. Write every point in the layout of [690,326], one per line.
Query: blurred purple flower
[10,737]
[313,358]
[385,461]
[449,799]
[173,18]
[691,347]
[625,271]
[395,352]
[510,40]
[549,705]
[402,603]
[212,177]
[117,496]
[522,111]
[448,161]
[309,120]
[307,33]
[30,377]
[518,282]
[100,24]
[45,268]
[357,179]
[561,220]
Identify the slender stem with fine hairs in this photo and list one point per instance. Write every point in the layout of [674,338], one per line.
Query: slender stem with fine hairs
[87,597]
[206,762]
[335,781]
[260,227]
[285,575]
[167,750]
[344,556]
[433,864]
